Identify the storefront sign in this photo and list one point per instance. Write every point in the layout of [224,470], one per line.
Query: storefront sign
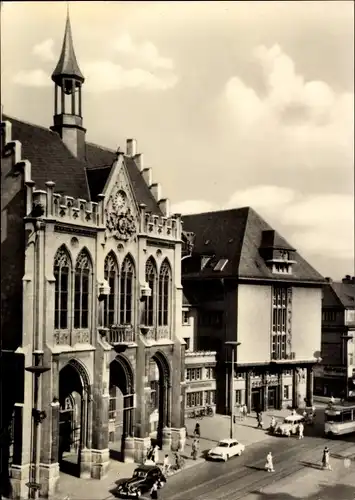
[334,371]
[197,385]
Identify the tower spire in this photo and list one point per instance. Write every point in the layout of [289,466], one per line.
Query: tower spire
[67,65]
[68,80]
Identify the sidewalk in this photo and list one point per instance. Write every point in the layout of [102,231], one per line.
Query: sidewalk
[218,427]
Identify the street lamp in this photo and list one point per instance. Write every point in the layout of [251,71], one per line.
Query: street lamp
[38,416]
[233,344]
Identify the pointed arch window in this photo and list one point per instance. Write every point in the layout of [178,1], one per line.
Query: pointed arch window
[151,279]
[126,292]
[83,269]
[62,276]
[164,294]
[111,276]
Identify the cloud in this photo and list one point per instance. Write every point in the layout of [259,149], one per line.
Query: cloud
[316,224]
[32,78]
[104,76]
[294,123]
[44,50]
[146,52]
[192,207]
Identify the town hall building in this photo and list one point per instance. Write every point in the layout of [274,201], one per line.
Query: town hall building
[91,298]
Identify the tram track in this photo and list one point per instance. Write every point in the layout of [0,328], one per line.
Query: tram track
[243,479]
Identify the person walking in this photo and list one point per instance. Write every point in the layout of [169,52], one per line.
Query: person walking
[166,464]
[326,459]
[156,454]
[269,466]
[272,424]
[195,448]
[300,430]
[197,431]
[154,490]
[260,420]
[245,411]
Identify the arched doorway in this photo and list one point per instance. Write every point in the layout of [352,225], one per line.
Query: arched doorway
[73,398]
[159,407]
[121,406]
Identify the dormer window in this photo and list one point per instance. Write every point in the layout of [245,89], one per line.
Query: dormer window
[277,255]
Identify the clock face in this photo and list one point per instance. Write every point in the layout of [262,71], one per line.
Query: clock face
[120,200]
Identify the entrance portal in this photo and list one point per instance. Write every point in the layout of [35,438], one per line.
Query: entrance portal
[256,399]
[73,388]
[121,406]
[159,404]
[272,397]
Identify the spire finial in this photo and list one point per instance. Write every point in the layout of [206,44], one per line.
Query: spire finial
[67,65]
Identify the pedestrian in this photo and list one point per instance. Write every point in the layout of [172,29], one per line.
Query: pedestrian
[154,490]
[332,400]
[260,420]
[269,466]
[326,459]
[245,411]
[300,430]
[166,464]
[195,448]
[156,454]
[293,412]
[197,431]
[272,424]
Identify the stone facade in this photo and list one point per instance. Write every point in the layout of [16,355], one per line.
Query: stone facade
[97,289]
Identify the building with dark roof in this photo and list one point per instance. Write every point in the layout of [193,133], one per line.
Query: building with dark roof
[91,298]
[335,376]
[246,284]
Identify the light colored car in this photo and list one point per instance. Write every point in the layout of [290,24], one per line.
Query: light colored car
[225,449]
[289,425]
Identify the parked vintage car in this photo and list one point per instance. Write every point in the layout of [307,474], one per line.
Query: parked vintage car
[289,426]
[225,449]
[141,482]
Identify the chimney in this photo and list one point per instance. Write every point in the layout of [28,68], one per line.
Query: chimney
[328,280]
[147,175]
[131,147]
[139,161]
[164,205]
[155,189]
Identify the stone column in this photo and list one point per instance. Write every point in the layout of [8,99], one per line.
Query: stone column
[49,429]
[294,388]
[265,391]
[280,390]
[100,454]
[248,390]
[310,384]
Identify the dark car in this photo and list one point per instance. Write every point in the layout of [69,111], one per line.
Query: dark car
[142,481]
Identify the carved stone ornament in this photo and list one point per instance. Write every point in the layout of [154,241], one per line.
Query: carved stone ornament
[122,226]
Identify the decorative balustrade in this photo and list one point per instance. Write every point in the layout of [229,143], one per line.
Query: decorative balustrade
[149,332]
[163,332]
[62,337]
[160,226]
[120,334]
[66,208]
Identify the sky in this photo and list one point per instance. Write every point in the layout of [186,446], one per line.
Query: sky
[232,103]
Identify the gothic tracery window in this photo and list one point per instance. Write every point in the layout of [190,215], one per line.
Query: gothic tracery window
[111,276]
[126,292]
[164,294]
[151,279]
[82,294]
[62,277]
